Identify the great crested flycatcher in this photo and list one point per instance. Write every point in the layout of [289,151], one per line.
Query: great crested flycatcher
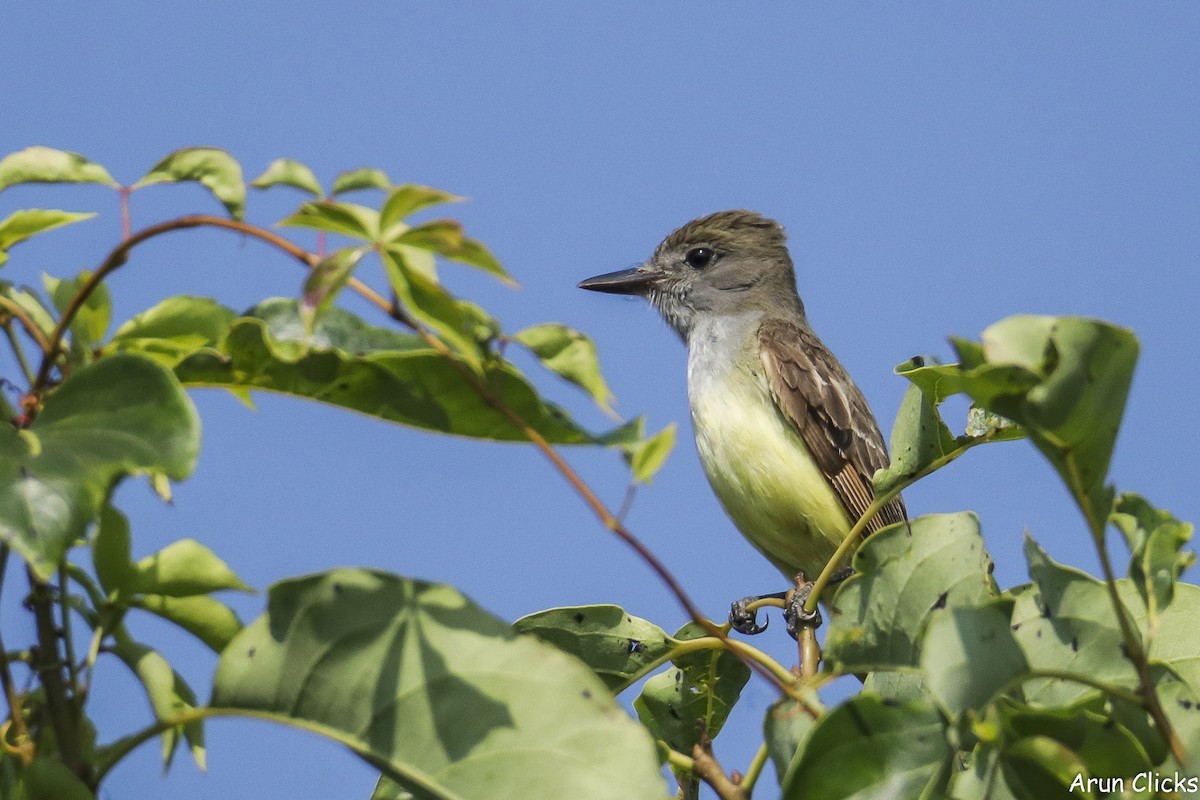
[786,439]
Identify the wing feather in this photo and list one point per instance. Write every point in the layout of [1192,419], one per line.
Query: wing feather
[813,392]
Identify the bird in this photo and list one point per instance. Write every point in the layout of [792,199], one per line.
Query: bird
[785,437]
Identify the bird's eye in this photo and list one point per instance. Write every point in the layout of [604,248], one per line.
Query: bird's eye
[700,257]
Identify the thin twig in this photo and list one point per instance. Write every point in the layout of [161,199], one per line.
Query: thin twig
[708,769]
[14,310]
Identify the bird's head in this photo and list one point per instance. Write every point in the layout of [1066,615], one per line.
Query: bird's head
[725,264]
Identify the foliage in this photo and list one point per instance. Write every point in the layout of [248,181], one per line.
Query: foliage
[971,690]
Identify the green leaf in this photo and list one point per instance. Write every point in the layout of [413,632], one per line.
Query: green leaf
[647,456]
[206,618]
[171,330]
[569,354]
[21,225]
[288,172]
[1176,642]
[362,178]
[1105,746]
[46,165]
[376,371]
[122,415]
[185,568]
[902,687]
[1065,622]
[868,747]
[785,729]
[168,692]
[326,280]
[333,216]
[445,237]
[112,553]
[1156,541]
[619,647]
[409,198]
[1083,369]
[969,655]
[703,686]
[428,301]
[92,320]
[213,168]
[905,574]
[49,779]
[1182,705]
[1033,768]
[441,696]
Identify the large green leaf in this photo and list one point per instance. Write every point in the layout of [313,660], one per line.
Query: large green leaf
[21,225]
[1082,370]
[375,371]
[1065,622]
[47,165]
[441,696]
[122,415]
[211,167]
[619,647]
[869,747]
[905,574]
[969,655]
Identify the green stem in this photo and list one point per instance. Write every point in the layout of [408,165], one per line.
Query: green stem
[852,538]
[754,770]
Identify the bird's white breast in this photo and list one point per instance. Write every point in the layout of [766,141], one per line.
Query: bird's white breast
[755,460]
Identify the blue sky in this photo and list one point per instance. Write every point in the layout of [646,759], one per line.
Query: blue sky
[937,168]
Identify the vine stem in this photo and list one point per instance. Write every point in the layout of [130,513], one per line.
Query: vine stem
[120,254]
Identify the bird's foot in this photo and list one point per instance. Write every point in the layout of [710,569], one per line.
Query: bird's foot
[743,614]
[797,616]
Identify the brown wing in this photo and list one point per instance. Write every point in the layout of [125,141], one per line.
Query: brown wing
[814,393]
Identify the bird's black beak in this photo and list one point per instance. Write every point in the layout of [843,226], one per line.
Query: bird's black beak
[626,281]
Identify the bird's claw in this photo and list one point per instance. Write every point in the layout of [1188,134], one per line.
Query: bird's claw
[744,619]
[797,616]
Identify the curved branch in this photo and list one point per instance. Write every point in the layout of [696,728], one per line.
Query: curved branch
[120,254]
[12,309]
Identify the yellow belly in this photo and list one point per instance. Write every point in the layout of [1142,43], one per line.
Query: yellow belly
[763,474]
